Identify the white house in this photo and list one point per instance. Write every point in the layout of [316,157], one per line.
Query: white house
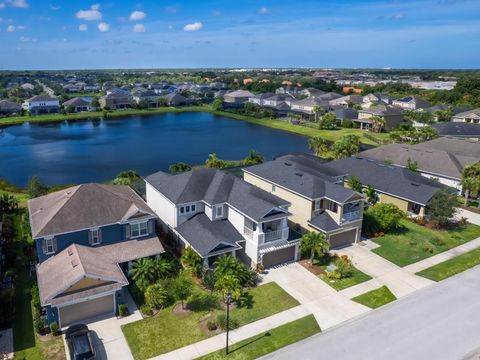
[42,104]
[216,213]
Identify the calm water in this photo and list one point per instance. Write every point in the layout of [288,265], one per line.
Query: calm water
[88,151]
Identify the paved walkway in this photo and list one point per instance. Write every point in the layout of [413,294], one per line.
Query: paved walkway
[472,217]
[6,343]
[217,342]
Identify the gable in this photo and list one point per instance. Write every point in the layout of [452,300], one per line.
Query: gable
[83,284]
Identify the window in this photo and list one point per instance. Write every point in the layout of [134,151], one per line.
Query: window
[333,207]
[318,205]
[94,236]
[188,209]
[219,211]
[274,188]
[49,248]
[182,210]
[138,229]
[193,208]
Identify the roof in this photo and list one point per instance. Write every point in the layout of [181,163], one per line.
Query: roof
[456,146]
[262,96]
[76,262]
[460,129]
[305,175]
[76,101]
[9,105]
[215,187]
[83,207]
[207,236]
[469,113]
[382,110]
[346,113]
[324,222]
[41,98]
[240,94]
[416,100]
[389,179]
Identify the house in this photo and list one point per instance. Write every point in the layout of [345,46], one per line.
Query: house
[409,191]
[289,89]
[260,98]
[376,99]
[307,106]
[86,238]
[217,213]
[42,104]
[347,89]
[78,104]
[458,129]
[311,92]
[115,100]
[346,114]
[411,103]
[329,96]
[442,159]
[8,107]
[392,115]
[27,86]
[237,97]
[469,116]
[149,97]
[278,100]
[91,88]
[347,101]
[319,201]
[72,88]
[175,99]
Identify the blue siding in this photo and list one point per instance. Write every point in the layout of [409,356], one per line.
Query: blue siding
[52,314]
[110,234]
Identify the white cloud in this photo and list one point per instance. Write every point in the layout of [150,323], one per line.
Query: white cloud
[103,27]
[83,27]
[90,15]
[193,26]
[19,3]
[139,28]
[398,16]
[54,7]
[12,28]
[137,15]
[263,11]
[27,39]
[2,5]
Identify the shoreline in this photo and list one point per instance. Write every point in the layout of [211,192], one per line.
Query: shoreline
[308,132]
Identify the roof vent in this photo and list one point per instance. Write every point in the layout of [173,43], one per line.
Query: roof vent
[70,252]
[298,174]
[288,164]
[415,184]
[75,263]
[358,157]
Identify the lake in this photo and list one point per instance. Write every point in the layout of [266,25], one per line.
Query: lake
[97,150]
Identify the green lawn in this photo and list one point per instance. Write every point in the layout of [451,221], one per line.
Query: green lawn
[452,266]
[166,331]
[376,298]
[414,242]
[270,341]
[357,277]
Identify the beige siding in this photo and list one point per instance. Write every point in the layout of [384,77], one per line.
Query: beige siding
[402,204]
[83,284]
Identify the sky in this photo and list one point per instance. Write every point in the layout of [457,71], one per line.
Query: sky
[68,34]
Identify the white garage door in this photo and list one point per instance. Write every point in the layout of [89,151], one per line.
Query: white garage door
[86,310]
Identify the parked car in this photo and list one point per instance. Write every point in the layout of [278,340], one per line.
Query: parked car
[80,345]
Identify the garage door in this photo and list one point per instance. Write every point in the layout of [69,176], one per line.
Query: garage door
[279,257]
[343,239]
[86,310]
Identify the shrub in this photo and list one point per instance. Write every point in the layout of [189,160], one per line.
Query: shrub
[344,267]
[146,310]
[156,296]
[222,322]
[348,124]
[39,325]
[439,241]
[463,221]
[35,296]
[382,217]
[334,275]
[427,247]
[54,327]
[212,325]
[123,310]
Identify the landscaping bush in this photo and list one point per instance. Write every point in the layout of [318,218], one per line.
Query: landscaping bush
[348,124]
[427,247]
[222,322]
[35,294]
[212,325]
[123,310]
[146,310]
[39,325]
[334,275]
[439,241]
[156,296]
[344,266]
[191,260]
[54,328]
[382,217]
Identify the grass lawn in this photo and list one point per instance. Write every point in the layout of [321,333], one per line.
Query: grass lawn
[414,242]
[270,341]
[376,298]
[166,331]
[452,266]
[357,277]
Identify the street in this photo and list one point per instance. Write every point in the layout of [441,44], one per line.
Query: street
[439,322]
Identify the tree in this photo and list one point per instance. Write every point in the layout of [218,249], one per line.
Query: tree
[253,158]
[426,133]
[217,104]
[317,110]
[156,296]
[471,181]
[228,265]
[35,188]
[163,268]
[377,123]
[372,195]
[346,146]
[318,145]
[191,260]
[444,115]
[412,165]
[328,121]
[143,104]
[315,243]
[214,161]
[179,168]
[8,203]
[229,284]
[182,287]
[442,206]
[382,217]
[126,177]
[209,280]
[355,184]
[143,272]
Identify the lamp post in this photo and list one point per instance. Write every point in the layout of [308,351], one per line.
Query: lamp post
[228,296]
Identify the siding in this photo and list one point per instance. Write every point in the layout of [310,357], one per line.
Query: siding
[164,209]
[402,204]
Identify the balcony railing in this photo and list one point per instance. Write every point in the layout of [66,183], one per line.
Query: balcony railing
[274,235]
[352,215]
[248,232]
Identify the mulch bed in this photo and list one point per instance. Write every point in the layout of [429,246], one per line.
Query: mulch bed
[314,269]
[203,325]
[178,310]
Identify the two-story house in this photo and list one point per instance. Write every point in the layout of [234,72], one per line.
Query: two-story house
[78,104]
[319,201]
[216,213]
[42,104]
[411,103]
[86,238]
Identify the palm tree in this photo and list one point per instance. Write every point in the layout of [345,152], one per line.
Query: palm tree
[317,110]
[163,268]
[225,265]
[372,196]
[253,158]
[143,272]
[315,242]
[471,181]
[229,284]
[377,123]
[318,145]
[214,161]
[8,203]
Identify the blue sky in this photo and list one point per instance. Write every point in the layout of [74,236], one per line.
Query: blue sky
[66,34]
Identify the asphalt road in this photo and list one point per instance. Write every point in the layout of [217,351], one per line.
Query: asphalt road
[439,322]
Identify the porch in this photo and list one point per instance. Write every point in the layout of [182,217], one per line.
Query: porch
[268,231]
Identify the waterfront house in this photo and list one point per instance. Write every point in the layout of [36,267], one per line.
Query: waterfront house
[8,107]
[115,100]
[78,104]
[175,99]
[392,115]
[237,97]
[319,201]
[86,238]
[260,98]
[469,116]
[216,213]
[42,104]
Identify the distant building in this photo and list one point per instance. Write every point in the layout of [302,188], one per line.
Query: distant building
[411,103]
[42,104]
[9,107]
[392,115]
[470,116]
[78,104]
[237,97]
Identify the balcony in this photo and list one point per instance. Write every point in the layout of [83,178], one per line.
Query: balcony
[273,235]
[351,216]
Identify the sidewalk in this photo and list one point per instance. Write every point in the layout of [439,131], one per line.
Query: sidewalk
[217,342]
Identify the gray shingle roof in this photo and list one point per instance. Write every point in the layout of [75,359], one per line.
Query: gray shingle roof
[389,179]
[42,98]
[460,129]
[76,101]
[324,222]
[83,207]
[304,174]
[215,187]
[207,236]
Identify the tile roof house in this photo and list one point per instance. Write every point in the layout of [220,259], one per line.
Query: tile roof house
[469,116]
[216,213]
[8,107]
[86,238]
[78,104]
[319,201]
[42,104]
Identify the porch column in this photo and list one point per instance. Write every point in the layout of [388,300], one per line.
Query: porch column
[421,213]
[205,263]
[234,253]
[297,252]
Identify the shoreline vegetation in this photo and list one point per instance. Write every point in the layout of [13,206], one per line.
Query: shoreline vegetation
[329,135]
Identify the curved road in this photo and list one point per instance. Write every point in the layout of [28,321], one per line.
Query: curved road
[441,322]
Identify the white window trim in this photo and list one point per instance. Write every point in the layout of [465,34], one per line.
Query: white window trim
[184,207]
[217,207]
[47,241]
[139,223]
[97,231]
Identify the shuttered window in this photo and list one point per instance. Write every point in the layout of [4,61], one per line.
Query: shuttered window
[95,237]
[49,245]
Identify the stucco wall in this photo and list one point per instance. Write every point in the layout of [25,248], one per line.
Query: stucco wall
[164,209]
[402,204]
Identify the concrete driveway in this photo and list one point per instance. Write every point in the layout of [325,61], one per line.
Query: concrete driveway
[108,336]
[472,217]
